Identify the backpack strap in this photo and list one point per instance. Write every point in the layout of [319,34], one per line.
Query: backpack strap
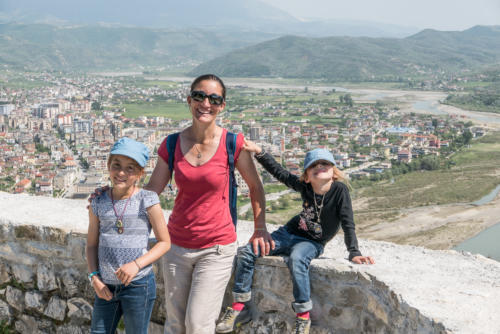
[233,190]
[171,142]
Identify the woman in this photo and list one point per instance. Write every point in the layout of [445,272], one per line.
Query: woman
[198,266]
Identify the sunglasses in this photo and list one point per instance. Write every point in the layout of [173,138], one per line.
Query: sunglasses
[213,99]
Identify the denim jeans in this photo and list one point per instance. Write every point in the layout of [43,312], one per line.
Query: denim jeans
[300,251]
[135,302]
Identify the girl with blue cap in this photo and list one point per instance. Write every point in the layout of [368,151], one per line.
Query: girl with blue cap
[118,258]
[326,208]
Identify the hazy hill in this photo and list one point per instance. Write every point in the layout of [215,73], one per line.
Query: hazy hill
[349,58]
[97,47]
[215,15]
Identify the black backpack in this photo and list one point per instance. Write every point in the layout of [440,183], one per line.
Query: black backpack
[231,149]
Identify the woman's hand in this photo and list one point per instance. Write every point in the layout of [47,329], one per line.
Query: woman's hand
[127,272]
[262,239]
[97,192]
[250,146]
[101,289]
[363,259]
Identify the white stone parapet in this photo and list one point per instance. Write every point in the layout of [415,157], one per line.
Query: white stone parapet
[44,288]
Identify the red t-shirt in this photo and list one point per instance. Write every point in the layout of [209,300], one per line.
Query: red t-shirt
[201,217]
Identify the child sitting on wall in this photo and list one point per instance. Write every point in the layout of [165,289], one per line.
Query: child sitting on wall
[326,207]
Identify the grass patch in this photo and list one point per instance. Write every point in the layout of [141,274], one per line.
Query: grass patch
[475,174]
[174,110]
[5,328]
[274,188]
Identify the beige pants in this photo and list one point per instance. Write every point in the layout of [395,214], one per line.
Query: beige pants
[195,282]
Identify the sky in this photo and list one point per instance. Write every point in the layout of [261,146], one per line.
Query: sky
[434,14]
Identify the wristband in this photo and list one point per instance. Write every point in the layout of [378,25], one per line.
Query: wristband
[261,154]
[260,229]
[92,274]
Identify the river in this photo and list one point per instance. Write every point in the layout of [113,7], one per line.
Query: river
[487,241]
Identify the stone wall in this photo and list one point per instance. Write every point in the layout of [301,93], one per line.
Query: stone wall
[44,289]
[44,286]
[43,281]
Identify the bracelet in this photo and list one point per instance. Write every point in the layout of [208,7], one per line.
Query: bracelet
[260,229]
[261,154]
[137,264]
[92,274]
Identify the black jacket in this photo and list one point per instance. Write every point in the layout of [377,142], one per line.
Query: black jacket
[336,212]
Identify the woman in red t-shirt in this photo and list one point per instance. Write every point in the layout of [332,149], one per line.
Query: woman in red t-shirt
[198,266]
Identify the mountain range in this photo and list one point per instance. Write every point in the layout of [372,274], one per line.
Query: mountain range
[361,58]
[42,46]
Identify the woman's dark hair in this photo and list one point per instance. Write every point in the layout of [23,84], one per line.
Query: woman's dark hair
[209,77]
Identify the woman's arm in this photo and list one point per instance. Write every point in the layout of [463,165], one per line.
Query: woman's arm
[92,264]
[128,271]
[260,238]
[273,167]
[159,178]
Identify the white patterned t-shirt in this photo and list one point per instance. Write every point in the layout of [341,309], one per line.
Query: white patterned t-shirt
[117,249]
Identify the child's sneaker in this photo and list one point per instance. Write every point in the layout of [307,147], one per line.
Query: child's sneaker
[302,325]
[233,319]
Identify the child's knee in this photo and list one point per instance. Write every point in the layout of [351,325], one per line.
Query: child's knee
[246,252]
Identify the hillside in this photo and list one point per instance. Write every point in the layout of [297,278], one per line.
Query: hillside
[42,46]
[361,58]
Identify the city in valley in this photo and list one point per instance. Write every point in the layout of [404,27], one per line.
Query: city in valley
[56,130]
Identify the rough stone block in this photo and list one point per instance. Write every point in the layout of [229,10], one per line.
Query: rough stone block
[71,281]
[54,235]
[46,278]
[56,309]
[29,324]
[5,311]
[79,310]
[22,273]
[155,328]
[15,298]
[4,272]
[44,250]
[72,329]
[34,301]
[28,232]
[76,245]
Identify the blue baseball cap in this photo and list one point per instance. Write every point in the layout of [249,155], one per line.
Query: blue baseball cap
[132,149]
[318,154]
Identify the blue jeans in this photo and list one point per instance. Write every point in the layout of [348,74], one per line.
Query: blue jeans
[135,302]
[300,251]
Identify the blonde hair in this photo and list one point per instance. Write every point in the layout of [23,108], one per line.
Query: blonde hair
[337,176]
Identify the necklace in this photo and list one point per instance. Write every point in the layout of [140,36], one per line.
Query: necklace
[316,206]
[199,152]
[119,219]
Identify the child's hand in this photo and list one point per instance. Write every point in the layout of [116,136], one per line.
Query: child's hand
[97,192]
[127,272]
[363,259]
[101,289]
[250,146]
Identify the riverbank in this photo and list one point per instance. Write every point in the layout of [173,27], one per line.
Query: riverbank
[435,227]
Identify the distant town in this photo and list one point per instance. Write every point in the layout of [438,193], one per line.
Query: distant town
[55,135]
